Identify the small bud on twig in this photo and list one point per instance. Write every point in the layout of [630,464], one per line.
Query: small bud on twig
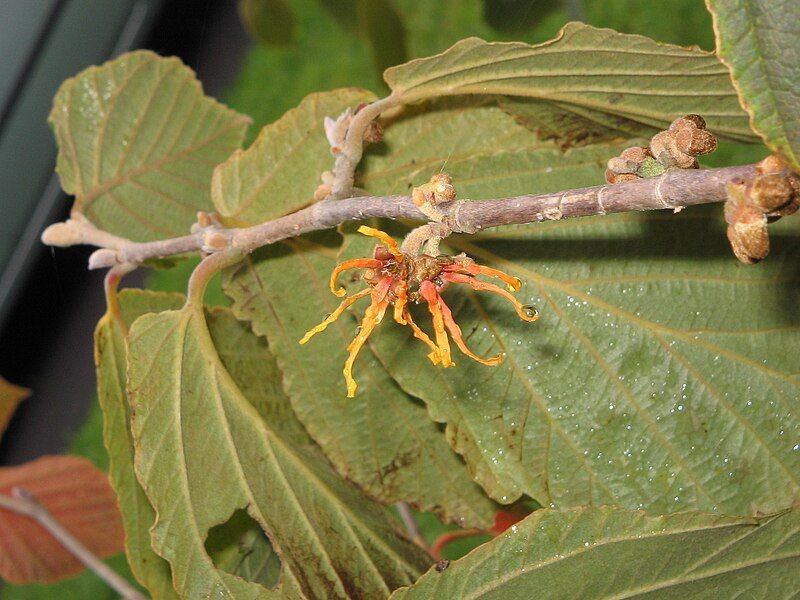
[774,192]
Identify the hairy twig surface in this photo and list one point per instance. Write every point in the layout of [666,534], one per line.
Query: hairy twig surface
[675,189]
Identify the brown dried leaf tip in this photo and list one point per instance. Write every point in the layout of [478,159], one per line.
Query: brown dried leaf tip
[398,279]
[773,193]
[675,148]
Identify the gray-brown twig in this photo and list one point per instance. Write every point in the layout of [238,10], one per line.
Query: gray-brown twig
[675,189]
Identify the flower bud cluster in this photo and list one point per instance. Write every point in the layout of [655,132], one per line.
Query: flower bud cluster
[676,148]
[773,193]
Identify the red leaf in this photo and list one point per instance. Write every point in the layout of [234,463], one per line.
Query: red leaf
[503,519]
[79,497]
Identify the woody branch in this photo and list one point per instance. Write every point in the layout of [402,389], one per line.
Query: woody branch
[675,189]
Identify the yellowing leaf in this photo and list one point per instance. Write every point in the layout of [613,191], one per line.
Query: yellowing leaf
[78,496]
[598,74]
[203,451]
[137,513]
[279,172]
[10,397]
[608,552]
[138,142]
[757,39]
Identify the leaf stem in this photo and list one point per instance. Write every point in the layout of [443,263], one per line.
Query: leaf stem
[24,503]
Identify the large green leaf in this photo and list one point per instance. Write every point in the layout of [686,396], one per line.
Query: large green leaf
[601,74]
[137,513]
[203,452]
[661,375]
[279,172]
[138,142]
[486,152]
[383,440]
[613,553]
[757,40]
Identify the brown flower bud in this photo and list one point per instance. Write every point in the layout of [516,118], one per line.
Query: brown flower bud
[628,165]
[694,142]
[771,164]
[443,190]
[698,121]
[664,147]
[635,153]
[747,233]
[612,177]
[771,191]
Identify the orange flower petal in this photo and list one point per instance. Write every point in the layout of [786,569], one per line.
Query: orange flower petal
[525,311]
[513,283]
[428,291]
[356,263]
[334,315]
[455,333]
[372,317]
[400,302]
[385,238]
[433,355]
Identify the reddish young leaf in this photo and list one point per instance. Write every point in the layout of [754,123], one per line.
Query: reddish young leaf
[78,496]
[10,396]
[503,519]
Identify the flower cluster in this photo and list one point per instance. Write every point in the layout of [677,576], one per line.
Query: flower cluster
[397,279]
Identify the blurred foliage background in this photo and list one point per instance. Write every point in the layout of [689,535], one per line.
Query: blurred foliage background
[304,46]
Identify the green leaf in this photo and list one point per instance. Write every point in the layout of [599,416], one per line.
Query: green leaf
[270,22]
[612,553]
[280,171]
[384,31]
[647,83]
[241,548]
[486,152]
[660,375]
[137,513]
[757,40]
[138,142]
[204,452]
[284,292]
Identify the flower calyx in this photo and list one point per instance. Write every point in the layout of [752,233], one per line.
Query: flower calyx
[751,205]
[399,280]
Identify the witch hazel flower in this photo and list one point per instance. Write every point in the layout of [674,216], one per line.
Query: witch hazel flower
[396,279]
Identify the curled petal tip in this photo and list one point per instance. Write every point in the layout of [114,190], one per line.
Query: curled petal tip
[528,312]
